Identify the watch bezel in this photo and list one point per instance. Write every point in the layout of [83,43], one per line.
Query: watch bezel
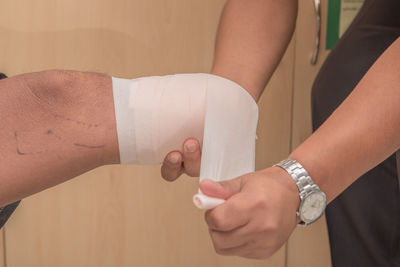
[305,221]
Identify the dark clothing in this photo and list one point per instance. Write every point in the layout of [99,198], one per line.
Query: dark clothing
[6,212]
[364,221]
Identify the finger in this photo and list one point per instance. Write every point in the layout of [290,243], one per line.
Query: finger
[231,239]
[192,157]
[242,250]
[223,190]
[228,216]
[172,166]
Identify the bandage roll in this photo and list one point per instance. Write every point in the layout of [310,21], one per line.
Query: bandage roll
[155,115]
[229,137]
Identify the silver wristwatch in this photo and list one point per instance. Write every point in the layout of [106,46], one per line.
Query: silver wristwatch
[312,199]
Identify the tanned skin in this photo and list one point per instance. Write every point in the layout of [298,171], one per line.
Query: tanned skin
[54,125]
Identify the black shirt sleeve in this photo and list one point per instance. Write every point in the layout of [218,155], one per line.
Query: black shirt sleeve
[5,212]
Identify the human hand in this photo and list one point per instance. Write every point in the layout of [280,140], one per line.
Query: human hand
[176,163]
[258,216]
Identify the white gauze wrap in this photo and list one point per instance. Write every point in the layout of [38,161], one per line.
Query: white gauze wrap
[155,115]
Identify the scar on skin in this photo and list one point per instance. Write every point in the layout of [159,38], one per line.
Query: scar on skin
[50,132]
[19,152]
[89,125]
[84,124]
[87,146]
[59,138]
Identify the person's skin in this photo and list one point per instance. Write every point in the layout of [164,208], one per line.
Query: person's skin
[259,214]
[54,125]
[251,40]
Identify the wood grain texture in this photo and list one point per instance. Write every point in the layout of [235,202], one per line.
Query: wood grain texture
[307,246]
[274,126]
[125,215]
[2,249]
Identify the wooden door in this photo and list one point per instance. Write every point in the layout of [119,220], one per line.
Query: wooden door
[125,215]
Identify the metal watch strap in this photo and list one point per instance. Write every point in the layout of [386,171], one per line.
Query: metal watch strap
[300,176]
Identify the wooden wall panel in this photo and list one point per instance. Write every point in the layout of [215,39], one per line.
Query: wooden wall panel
[125,215]
[274,128]
[307,246]
[2,249]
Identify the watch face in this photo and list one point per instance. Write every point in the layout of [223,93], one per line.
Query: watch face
[312,207]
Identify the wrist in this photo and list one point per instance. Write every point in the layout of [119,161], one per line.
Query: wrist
[285,179]
[254,89]
[286,182]
[312,199]
[315,168]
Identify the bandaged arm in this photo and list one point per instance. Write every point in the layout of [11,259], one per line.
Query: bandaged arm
[59,124]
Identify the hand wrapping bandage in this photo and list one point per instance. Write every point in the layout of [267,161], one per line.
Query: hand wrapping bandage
[155,115]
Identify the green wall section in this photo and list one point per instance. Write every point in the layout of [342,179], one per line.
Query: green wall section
[332,31]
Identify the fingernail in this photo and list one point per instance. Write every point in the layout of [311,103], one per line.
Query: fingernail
[190,147]
[173,158]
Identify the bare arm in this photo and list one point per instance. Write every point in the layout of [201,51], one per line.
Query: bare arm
[361,133]
[251,40]
[54,125]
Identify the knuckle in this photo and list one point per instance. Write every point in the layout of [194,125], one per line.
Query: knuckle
[216,245]
[218,241]
[260,203]
[223,252]
[267,227]
[218,221]
[235,205]
[273,226]
[218,251]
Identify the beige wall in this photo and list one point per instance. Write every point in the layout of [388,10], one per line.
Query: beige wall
[127,215]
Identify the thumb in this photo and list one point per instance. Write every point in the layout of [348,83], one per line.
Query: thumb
[223,190]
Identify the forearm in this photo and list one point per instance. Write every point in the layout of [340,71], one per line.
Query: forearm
[252,37]
[55,125]
[361,133]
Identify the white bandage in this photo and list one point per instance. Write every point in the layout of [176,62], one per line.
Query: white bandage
[155,115]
